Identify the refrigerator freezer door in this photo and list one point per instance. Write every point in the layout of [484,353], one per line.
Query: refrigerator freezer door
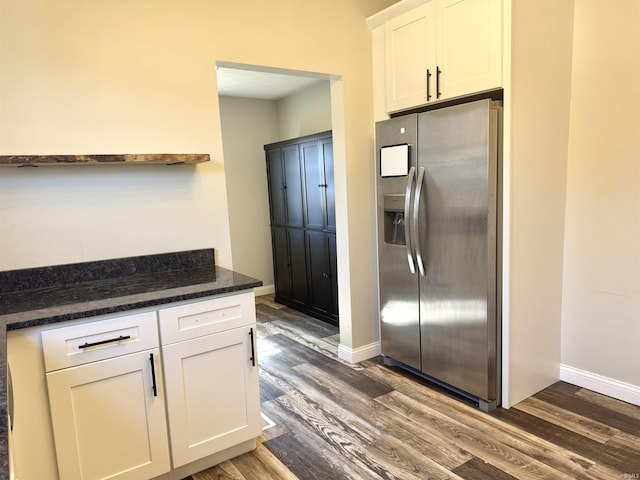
[457,234]
[399,308]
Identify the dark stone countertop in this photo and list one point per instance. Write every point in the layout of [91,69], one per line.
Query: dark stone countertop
[46,295]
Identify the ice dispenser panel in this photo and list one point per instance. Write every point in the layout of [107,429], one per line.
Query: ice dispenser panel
[394,219]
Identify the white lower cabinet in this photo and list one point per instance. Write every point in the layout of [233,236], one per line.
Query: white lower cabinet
[151,395]
[213,399]
[211,372]
[107,420]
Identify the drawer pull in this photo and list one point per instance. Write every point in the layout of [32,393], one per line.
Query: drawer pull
[154,388]
[121,337]
[253,351]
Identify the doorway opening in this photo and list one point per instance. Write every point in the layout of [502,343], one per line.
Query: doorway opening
[259,106]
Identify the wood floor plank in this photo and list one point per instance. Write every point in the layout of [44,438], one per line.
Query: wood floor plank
[492,449]
[387,422]
[223,471]
[532,446]
[304,452]
[356,440]
[563,396]
[609,403]
[476,469]
[559,416]
[604,455]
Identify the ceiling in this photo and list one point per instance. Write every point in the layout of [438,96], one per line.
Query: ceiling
[237,82]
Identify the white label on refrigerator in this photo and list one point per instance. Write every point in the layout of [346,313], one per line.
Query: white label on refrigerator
[394,161]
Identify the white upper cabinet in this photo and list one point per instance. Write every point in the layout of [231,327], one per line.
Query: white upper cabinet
[442,49]
[410,56]
[469,46]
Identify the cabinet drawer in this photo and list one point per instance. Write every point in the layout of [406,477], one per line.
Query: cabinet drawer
[92,341]
[194,320]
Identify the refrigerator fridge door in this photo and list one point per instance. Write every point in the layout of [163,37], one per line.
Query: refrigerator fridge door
[457,241]
[399,308]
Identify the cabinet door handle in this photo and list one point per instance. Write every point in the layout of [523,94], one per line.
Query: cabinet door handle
[428,84]
[102,342]
[253,351]
[154,388]
[438,72]
[323,185]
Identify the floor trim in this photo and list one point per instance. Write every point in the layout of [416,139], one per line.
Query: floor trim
[355,355]
[598,383]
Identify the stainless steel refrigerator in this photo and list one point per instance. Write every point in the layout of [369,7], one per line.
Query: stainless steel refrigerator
[439,230]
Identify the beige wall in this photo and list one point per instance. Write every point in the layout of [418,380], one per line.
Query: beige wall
[601,288]
[248,124]
[97,76]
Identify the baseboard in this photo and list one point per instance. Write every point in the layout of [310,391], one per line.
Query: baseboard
[604,385]
[355,355]
[264,290]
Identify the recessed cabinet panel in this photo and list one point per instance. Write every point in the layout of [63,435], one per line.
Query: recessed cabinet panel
[293,186]
[469,45]
[192,320]
[330,188]
[107,423]
[213,394]
[410,50]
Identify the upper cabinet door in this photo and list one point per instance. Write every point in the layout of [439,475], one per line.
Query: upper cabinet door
[410,50]
[442,49]
[469,46]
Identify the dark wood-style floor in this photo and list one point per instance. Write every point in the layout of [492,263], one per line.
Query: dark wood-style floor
[338,421]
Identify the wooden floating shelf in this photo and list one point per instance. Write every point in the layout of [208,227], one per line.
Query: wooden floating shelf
[125,159]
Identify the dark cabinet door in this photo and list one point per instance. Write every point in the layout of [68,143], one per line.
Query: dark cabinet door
[329,190]
[333,270]
[276,184]
[293,186]
[281,264]
[314,185]
[320,272]
[298,263]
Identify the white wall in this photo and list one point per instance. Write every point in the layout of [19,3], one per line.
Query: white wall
[97,76]
[601,287]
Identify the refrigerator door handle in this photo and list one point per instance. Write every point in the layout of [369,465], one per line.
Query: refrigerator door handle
[416,219]
[407,223]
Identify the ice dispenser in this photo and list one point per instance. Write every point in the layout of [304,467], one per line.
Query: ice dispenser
[394,219]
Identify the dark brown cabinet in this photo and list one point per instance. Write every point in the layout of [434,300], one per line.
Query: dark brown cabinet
[303,224]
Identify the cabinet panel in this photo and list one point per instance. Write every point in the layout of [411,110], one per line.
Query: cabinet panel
[298,262]
[91,341]
[410,49]
[293,186]
[469,45]
[276,182]
[192,320]
[212,394]
[314,185]
[106,421]
[281,265]
[321,272]
[330,189]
